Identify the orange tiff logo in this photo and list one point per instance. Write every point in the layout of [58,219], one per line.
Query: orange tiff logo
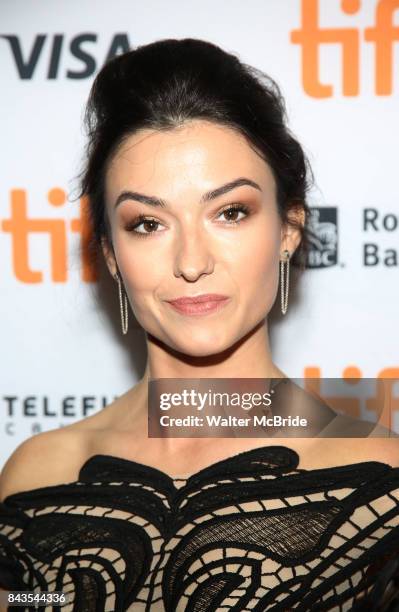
[383,34]
[384,404]
[20,226]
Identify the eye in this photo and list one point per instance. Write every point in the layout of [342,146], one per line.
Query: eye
[149,226]
[233,211]
[143,226]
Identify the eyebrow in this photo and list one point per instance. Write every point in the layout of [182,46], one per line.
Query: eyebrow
[210,195]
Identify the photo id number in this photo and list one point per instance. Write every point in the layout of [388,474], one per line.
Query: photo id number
[35,599]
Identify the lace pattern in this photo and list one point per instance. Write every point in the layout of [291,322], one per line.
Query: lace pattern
[250,533]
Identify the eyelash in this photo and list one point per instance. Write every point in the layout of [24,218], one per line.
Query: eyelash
[131,227]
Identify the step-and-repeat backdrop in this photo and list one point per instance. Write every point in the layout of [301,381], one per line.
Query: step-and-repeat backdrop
[63,356]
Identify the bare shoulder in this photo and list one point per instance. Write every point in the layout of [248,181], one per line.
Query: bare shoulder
[56,457]
[119,414]
[381,444]
[387,445]
[347,440]
[45,459]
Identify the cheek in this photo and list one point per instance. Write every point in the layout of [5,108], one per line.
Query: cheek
[138,269]
[255,263]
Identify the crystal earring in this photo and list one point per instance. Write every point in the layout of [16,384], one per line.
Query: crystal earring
[284,280]
[123,305]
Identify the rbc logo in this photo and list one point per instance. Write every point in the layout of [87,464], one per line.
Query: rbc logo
[323,237]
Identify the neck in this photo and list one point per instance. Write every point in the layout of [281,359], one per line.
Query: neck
[248,358]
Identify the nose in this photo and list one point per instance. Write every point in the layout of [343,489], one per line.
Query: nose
[193,257]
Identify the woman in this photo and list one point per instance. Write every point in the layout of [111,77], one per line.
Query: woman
[197,188]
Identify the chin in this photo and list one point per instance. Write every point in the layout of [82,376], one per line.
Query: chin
[206,351]
[202,344]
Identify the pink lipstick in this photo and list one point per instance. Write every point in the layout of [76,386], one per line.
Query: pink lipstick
[199,304]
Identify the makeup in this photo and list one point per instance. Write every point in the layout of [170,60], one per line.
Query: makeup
[199,305]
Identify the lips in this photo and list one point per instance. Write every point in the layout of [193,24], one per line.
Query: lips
[197,299]
[199,304]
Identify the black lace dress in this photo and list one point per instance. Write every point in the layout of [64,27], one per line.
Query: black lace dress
[249,533]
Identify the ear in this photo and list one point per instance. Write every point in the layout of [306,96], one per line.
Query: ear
[291,235]
[109,256]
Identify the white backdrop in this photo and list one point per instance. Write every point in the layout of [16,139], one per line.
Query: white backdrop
[62,353]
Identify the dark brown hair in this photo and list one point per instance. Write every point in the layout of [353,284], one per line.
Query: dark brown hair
[169,82]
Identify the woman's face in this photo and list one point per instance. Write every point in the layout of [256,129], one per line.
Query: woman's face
[184,182]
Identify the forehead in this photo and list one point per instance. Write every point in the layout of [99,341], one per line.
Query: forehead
[198,154]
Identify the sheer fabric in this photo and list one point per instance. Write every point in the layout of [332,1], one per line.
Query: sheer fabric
[249,533]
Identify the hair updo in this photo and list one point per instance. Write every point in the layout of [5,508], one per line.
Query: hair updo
[164,84]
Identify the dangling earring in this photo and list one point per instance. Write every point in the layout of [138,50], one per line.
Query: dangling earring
[123,305]
[284,280]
